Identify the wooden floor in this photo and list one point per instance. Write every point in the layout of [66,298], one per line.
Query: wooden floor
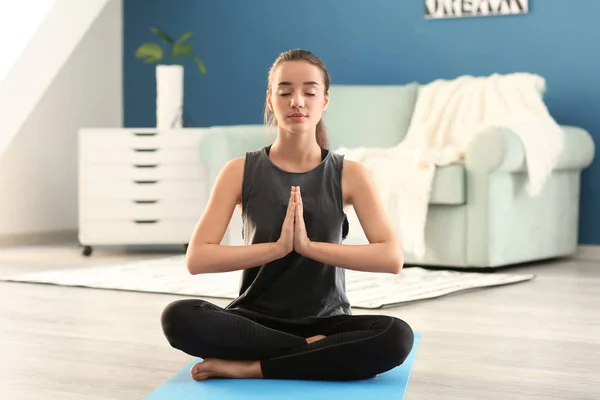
[532,340]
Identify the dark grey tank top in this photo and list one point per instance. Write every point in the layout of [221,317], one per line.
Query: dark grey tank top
[293,288]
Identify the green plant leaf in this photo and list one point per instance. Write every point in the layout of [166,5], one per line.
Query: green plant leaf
[200,65]
[149,52]
[163,35]
[184,37]
[182,50]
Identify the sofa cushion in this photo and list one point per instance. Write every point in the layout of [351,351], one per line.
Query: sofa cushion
[449,185]
[369,115]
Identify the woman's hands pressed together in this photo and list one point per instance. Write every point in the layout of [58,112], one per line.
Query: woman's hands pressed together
[286,239]
[293,231]
[301,240]
[382,254]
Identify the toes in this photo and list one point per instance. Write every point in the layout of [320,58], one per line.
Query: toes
[198,371]
[201,377]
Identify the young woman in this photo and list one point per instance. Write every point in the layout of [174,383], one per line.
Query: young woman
[292,319]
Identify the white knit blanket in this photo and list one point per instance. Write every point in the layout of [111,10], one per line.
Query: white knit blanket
[448,115]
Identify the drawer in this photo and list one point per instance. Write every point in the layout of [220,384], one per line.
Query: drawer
[143,172]
[143,139]
[143,190]
[143,209]
[130,156]
[137,232]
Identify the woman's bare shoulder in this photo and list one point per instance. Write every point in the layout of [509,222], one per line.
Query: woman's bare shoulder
[232,174]
[235,165]
[353,174]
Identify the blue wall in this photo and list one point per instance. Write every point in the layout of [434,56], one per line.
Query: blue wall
[370,42]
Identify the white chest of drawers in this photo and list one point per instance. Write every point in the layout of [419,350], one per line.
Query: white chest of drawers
[139,186]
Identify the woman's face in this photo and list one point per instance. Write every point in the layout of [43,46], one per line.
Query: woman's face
[298,96]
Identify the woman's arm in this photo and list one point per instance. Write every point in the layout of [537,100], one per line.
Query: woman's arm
[384,252]
[205,254]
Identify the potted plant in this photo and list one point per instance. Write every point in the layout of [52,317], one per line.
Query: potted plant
[169,56]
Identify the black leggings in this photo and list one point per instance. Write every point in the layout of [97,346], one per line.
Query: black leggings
[355,347]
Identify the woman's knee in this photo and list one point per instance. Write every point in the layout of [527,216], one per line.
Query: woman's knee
[173,318]
[399,338]
[403,339]
[176,317]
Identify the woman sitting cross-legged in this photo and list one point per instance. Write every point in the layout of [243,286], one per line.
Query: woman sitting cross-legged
[292,319]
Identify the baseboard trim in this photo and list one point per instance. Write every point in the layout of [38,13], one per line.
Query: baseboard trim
[39,238]
[588,252]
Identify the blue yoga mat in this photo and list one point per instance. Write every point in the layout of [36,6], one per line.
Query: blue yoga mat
[389,385]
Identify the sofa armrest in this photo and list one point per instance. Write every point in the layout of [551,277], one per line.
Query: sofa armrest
[220,144]
[501,150]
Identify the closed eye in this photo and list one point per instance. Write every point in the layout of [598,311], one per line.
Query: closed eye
[287,94]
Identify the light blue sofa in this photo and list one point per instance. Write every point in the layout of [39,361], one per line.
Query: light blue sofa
[479,214]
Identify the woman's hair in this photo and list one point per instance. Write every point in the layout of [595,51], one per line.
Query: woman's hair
[299,55]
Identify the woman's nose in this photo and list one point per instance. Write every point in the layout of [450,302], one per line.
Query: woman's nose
[297,101]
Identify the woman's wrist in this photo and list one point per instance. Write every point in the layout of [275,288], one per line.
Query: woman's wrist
[279,250]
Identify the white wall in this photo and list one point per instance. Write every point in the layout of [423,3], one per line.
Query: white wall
[18,23]
[40,61]
[38,170]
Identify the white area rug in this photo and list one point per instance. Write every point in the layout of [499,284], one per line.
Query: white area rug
[169,275]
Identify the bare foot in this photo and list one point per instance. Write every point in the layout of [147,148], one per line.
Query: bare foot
[217,368]
[315,338]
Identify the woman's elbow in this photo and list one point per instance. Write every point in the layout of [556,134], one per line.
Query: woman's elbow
[396,259]
[192,262]
[191,266]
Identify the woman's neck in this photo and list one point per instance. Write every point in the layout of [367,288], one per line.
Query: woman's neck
[298,149]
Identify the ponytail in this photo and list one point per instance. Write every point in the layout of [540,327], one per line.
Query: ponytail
[322,135]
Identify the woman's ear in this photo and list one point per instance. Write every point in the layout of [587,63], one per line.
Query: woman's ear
[326,100]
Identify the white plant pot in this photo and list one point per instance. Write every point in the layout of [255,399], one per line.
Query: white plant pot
[169,96]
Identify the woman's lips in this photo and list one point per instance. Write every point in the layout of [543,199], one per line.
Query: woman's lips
[297,117]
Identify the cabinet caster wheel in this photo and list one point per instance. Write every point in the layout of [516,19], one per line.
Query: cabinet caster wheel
[86,250]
